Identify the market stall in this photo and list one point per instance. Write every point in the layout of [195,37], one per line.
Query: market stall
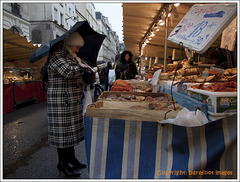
[127,142]
[125,137]
[21,79]
[20,87]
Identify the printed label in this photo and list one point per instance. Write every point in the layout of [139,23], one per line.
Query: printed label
[224,102]
[198,96]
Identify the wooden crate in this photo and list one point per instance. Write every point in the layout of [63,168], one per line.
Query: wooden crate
[105,94]
[120,110]
[137,82]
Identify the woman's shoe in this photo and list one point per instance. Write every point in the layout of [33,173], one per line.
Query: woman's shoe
[67,170]
[73,160]
[77,165]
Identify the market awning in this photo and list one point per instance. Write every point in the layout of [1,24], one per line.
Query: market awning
[138,17]
[16,47]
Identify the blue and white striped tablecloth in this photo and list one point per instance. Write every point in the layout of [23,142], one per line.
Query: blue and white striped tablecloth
[122,149]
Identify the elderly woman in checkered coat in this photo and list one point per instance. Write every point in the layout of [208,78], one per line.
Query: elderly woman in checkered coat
[64,102]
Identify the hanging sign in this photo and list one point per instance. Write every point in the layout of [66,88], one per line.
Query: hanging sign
[229,36]
[202,25]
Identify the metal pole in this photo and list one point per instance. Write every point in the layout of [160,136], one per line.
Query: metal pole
[140,64]
[165,39]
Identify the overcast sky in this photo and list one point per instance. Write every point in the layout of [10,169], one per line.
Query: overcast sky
[114,13]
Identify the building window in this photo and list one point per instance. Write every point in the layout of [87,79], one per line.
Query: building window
[55,15]
[36,36]
[61,18]
[15,8]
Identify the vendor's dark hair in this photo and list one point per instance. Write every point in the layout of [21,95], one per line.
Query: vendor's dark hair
[123,56]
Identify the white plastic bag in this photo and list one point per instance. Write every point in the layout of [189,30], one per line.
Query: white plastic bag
[188,118]
[111,76]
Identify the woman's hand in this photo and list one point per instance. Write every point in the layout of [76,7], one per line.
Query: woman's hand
[81,64]
[84,66]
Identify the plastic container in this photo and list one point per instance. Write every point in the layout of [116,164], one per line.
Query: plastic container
[219,103]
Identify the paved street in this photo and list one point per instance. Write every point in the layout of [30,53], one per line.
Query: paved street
[26,153]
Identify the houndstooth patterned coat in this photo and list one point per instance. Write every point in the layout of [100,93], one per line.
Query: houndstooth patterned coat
[64,100]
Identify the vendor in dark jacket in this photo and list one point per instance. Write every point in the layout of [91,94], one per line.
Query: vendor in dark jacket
[126,69]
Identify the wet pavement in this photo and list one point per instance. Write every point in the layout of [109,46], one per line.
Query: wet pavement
[26,153]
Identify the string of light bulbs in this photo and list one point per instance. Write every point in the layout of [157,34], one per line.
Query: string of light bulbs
[158,21]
